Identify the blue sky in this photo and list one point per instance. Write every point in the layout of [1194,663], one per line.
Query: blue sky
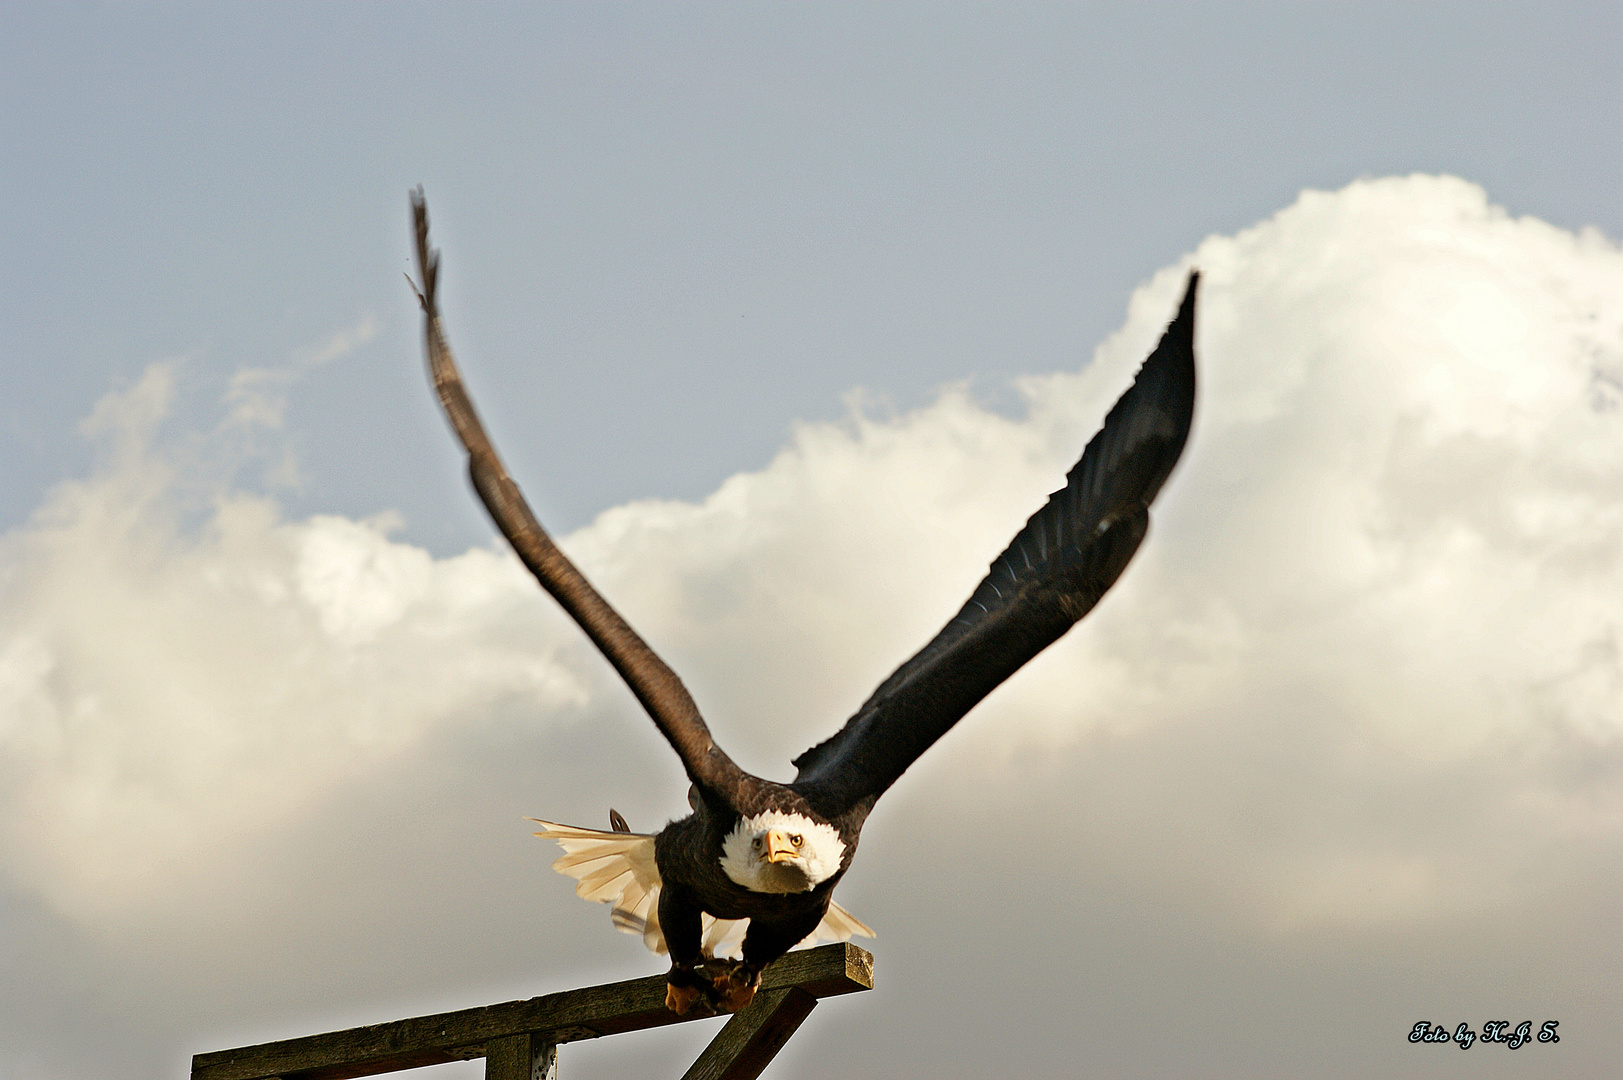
[683,229]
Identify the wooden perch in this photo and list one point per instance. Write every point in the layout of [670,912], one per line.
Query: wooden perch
[519,1039]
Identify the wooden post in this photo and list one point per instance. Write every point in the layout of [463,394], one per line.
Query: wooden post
[521,1057]
[519,1039]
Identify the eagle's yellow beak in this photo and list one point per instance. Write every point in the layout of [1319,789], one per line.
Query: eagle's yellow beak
[778,847]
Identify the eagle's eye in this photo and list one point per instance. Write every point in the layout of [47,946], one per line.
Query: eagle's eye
[796,839]
[756,843]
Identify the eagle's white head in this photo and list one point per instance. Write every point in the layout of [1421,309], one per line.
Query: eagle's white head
[776,852]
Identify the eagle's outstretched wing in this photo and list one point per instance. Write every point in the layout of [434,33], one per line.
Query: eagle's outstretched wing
[654,683]
[1052,574]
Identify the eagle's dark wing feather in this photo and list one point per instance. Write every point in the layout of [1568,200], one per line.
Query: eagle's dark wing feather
[1056,569]
[654,683]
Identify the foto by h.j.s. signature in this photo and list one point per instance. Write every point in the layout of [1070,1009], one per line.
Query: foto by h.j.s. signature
[1494,1031]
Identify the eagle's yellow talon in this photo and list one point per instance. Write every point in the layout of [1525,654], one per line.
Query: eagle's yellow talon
[736,988]
[679,999]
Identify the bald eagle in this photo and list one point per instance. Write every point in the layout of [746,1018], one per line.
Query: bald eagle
[760,858]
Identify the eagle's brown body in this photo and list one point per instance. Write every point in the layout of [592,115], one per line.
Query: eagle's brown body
[689,852]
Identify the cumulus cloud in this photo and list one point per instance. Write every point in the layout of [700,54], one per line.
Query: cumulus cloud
[1360,690]
[162,687]
[257,397]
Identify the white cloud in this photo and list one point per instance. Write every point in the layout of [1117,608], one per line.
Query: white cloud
[258,396]
[163,688]
[1363,677]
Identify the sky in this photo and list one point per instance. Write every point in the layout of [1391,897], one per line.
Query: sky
[786,318]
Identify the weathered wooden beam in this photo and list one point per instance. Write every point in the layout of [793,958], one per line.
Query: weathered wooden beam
[555,1018]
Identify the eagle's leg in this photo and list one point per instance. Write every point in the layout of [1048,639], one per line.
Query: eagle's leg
[679,921]
[763,943]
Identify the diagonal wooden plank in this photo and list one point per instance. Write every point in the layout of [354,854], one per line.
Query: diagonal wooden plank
[562,1017]
[754,1035]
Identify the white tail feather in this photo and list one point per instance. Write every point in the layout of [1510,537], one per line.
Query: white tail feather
[618,868]
[840,925]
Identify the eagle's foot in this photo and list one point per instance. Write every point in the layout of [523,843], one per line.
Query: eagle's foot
[679,999]
[683,987]
[713,985]
[735,987]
